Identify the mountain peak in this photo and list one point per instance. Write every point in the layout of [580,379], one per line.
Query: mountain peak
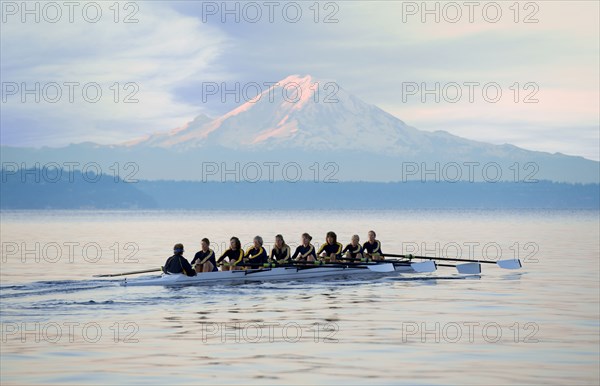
[300,112]
[297,79]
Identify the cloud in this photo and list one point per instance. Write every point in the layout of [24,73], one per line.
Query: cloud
[370,51]
[148,59]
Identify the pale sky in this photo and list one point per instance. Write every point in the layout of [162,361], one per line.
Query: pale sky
[367,48]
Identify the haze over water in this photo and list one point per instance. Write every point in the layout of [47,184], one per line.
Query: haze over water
[536,325]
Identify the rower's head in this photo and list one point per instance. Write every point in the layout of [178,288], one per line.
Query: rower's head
[279,242]
[306,238]
[205,244]
[372,236]
[235,243]
[331,237]
[178,249]
[355,240]
[258,242]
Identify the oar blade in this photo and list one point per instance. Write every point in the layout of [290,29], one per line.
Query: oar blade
[509,264]
[425,266]
[385,267]
[469,268]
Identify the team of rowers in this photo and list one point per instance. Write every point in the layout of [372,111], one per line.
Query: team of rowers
[235,258]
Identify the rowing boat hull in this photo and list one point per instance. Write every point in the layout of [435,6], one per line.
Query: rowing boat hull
[272,274]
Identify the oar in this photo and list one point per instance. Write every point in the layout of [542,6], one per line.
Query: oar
[506,264]
[426,266]
[389,267]
[467,268]
[379,267]
[129,273]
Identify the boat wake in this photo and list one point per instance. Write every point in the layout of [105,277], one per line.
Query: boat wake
[41,288]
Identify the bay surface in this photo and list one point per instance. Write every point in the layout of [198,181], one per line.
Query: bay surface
[536,325]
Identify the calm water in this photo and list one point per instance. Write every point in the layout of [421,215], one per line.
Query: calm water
[536,325]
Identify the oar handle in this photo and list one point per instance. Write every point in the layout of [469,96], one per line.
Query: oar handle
[129,273]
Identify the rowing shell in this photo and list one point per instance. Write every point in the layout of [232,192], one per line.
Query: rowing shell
[275,274]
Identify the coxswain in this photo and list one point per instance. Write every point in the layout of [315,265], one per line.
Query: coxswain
[177,263]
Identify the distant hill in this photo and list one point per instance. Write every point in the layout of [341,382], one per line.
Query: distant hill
[306,121]
[78,191]
[38,189]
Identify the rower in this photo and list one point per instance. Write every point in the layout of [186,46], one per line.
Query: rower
[280,253]
[177,263]
[256,254]
[204,260]
[372,247]
[354,250]
[306,251]
[331,249]
[234,254]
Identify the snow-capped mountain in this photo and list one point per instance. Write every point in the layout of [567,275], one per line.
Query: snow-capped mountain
[305,113]
[319,126]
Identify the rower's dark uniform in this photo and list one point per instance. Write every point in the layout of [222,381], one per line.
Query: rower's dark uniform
[372,248]
[256,256]
[331,248]
[178,264]
[304,252]
[354,251]
[280,255]
[235,257]
[202,257]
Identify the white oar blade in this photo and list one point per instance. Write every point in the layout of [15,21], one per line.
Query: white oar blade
[509,264]
[469,268]
[387,267]
[426,266]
